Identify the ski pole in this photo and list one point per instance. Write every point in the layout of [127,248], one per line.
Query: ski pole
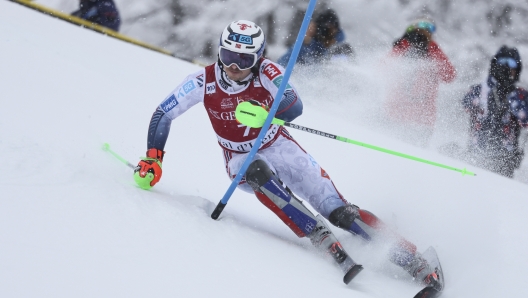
[266,123]
[106,147]
[253,116]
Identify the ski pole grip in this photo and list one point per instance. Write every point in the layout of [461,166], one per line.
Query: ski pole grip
[219,208]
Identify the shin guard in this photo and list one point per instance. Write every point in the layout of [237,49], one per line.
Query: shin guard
[279,199]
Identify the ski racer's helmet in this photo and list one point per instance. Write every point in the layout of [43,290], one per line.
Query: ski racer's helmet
[242,43]
[506,65]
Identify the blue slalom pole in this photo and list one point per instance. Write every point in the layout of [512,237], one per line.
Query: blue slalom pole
[272,111]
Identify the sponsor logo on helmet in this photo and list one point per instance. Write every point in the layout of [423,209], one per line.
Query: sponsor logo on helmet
[238,46]
[210,88]
[271,71]
[169,104]
[240,38]
[243,26]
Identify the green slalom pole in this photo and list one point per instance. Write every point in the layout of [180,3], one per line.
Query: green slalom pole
[106,147]
[254,116]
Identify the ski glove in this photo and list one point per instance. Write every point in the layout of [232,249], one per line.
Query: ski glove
[148,171]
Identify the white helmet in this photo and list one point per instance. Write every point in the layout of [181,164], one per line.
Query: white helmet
[242,43]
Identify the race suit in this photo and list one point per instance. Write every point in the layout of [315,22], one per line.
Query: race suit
[220,97]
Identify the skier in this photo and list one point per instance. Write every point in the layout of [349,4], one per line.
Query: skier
[419,65]
[324,41]
[497,111]
[282,169]
[102,12]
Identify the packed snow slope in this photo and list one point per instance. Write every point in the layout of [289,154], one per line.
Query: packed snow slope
[73,224]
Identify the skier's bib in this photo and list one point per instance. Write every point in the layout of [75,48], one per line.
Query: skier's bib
[221,106]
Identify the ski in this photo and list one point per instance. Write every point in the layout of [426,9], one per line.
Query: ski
[432,290]
[428,292]
[352,273]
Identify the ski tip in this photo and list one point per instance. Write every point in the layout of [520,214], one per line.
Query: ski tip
[352,272]
[428,292]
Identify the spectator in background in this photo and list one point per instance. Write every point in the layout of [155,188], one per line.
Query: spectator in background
[324,40]
[497,111]
[418,67]
[102,12]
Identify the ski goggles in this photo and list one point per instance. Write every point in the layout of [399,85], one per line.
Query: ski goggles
[510,62]
[242,60]
[423,25]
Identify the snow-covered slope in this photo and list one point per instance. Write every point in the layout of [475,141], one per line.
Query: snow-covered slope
[72,223]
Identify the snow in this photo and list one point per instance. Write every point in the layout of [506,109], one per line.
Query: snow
[73,224]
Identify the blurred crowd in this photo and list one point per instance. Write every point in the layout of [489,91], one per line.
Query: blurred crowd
[496,108]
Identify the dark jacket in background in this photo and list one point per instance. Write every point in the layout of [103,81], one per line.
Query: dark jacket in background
[102,12]
[498,110]
[495,126]
[315,51]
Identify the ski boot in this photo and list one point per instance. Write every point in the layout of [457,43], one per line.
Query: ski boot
[423,273]
[322,238]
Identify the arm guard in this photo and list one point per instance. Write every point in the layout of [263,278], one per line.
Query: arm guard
[159,128]
[290,107]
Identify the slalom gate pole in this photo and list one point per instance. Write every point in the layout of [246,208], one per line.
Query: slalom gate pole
[252,116]
[106,147]
[289,68]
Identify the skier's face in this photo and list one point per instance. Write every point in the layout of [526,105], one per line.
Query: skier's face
[235,74]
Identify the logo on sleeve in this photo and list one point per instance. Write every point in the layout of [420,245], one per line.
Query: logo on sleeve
[278,81]
[169,104]
[188,87]
[210,88]
[271,71]
[200,80]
